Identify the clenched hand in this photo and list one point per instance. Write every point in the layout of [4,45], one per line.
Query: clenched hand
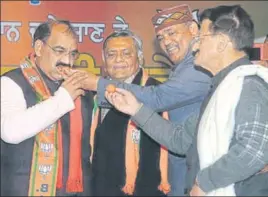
[73,84]
[123,101]
[90,81]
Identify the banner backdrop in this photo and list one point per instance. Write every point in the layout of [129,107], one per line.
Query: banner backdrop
[94,21]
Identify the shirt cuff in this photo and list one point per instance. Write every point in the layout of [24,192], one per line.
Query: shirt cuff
[142,116]
[101,100]
[102,83]
[204,181]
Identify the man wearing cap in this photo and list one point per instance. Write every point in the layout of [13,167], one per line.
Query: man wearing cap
[230,134]
[181,95]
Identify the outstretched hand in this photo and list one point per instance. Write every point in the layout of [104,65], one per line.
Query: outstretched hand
[73,84]
[123,101]
[90,81]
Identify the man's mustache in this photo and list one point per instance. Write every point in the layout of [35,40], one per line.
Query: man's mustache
[63,64]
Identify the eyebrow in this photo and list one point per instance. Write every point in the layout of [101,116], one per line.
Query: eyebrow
[110,51]
[61,47]
[75,50]
[115,50]
[168,30]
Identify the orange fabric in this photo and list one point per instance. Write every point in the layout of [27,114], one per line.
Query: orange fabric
[164,185]
[132,155]
[131,160]
[47,162]
[75,178]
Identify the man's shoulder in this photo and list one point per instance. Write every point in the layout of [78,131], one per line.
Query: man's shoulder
[194,72]
[13,73]
[254,92]
[253,101]
[255,84]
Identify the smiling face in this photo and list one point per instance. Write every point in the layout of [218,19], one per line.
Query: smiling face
[57,53]
[175,40]
[207,53]
[120,56]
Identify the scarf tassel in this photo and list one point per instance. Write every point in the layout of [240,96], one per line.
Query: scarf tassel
[74,186]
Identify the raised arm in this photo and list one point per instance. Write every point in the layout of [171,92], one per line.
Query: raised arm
[18,122]
[177,91]
[177,138]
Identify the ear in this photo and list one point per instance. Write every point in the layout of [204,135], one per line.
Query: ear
[38,46]
[193,28]
[223,41]
[104,68]
[140,58]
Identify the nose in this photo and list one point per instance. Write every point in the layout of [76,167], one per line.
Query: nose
[67,59]
[119,57]
[166,40]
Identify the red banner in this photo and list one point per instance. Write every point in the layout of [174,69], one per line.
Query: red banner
[93,21]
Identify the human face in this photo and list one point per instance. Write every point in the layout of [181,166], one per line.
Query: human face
[205,49]
[175,41]
[58,52]
[121,60]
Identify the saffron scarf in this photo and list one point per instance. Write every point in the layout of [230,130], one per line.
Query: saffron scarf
[47,161]
[132,152]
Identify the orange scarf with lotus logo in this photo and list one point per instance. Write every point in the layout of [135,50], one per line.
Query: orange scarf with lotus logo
[132,154]
[47,160]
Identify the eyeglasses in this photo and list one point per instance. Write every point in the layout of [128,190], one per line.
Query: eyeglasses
[206,35]
[199,37]
[63,52]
